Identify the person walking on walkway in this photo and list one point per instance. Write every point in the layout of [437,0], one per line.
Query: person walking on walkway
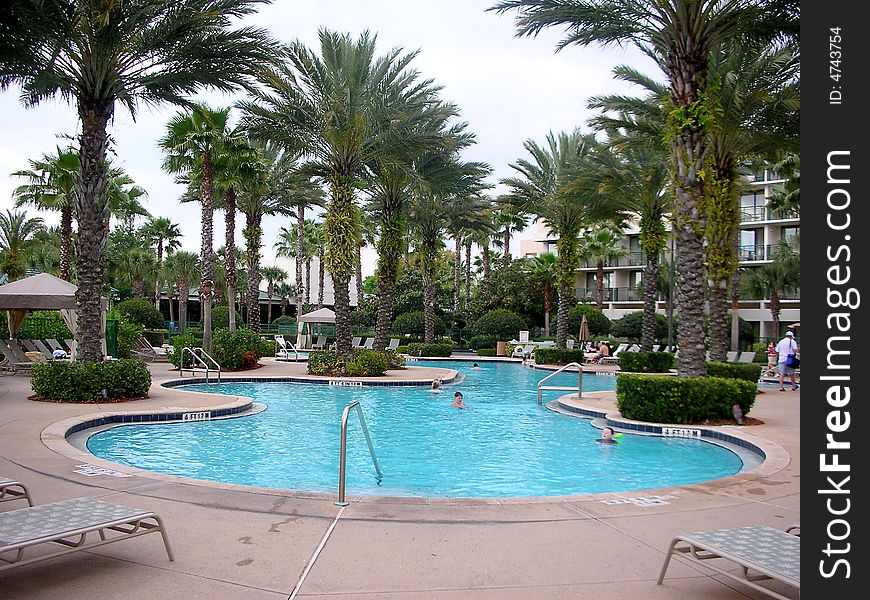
[787,346]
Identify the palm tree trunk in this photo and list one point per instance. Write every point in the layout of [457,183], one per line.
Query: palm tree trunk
[429,252]
[599,284]
[269,311]
[308,278]
[547,302]
[207,254]
[774,311]
[343,331]
[183,292]
[568,260]
[735,310]
[467,273]
[389,247]
[253,237]
[457,270]
[717,326]
[486,265]
[565,294]
[157,282]
[648,327]
[341,230]
[66,218]
[359,276]
[506,259]
[300,234]
[92,212]
[321,272]
[138,288]
[171,312]
[230,245]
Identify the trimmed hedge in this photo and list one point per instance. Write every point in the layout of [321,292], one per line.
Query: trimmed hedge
[429,349]
[239,349]
[747,371]
[486,352]
[664,399]
[558,356]
[482,341]
[61,381]
[646,362]
[365,363]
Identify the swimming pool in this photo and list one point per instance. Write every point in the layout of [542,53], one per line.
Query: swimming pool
[502,445]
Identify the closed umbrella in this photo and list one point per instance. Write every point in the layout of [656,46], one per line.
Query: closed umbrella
[584,330]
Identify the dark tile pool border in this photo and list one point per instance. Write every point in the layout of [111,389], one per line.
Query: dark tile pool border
[285,379]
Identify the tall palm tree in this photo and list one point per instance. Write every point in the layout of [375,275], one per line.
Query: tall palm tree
[51,186]
[290,244]
[463,215]
[17,232]
[96,53]
[509,218]
[165,235]
[343,109]
[319,242]
[681,35]
[284,291]
[274,276]
[138,265]
[193,139]
[307,197]
[182,268]
[601,245]
[544,269]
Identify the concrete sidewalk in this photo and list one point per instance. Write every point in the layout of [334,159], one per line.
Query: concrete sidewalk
[242,543]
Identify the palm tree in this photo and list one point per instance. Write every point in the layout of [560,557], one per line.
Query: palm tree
[164,234]
[284,291]
[509,218]
[303,248]
[307,196]
[318,241]
[51,187]
[137,265]
[544,268]
[775,279]
[182,268]
[97,53]
[273,276]
[17,232]
[544,189]
[601,246]
[463,215]
[681,35]
[343,109]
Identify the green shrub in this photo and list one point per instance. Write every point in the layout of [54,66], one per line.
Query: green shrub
[40,325]
[664,399]
[481,341]
[429,349]
[179,342]
[141,311]
[558,356]
[367,363]
[156,337]
[598,323]
[501,324]
[220,317]
[631,324]
[128,332]
[323,362]
[284,321]
[414,323]
[646,362]
[746,371]
[231,348]
[63,381]
[394,359]
[486,352]
[760,349]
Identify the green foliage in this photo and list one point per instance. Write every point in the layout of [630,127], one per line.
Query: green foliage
[486,352]
[665,399]
[501,324]
[220,317]
[509,288]
[366,314]
[598,323]
[155,337]
[478,342]
[646,362]
[179,342]
[429,349]
[237,350]
[394,359]
[62,381]
[128,332]
[365,363]
[558,356]
[141,311]
[631,325]
[39,325]
[323,362]
[413,323]
[747,371]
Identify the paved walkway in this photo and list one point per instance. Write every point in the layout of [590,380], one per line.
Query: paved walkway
[240,543]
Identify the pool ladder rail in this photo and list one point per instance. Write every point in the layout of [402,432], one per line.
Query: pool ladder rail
[201,362]
[342,466]
[579,388]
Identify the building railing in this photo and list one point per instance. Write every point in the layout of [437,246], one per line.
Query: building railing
[611,294]
[751,253]
[632,259]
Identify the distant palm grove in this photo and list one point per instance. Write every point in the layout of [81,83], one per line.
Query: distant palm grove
[348,145]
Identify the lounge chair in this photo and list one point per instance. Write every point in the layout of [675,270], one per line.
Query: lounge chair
[12,362]
[656,347]
[55,345]
[731,356]
[394,344]
[13,490]
[143,350]
[768,552]
[68,523]
[29,346]
[614,358]
[370,343]
[69,344]
[569,343]
[320,343]
[356,342]
[634,348]
[285,349]
[746,357]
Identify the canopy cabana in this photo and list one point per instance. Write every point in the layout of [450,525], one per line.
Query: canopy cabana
[322,315]
[43,292]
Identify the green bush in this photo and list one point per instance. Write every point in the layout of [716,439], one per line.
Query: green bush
[323,362]
[429,349]
[284,321]
[179,342]
[760,349]
[745,371]
[128,332]
[558,356]
[631,325]
[646,362]
[141,311]
[414,323]
[367,363]
[233,350]
[394,359]
[664,399]
[62,381]
[486,352]
[598,323]
[481,341]
[501,324]
[220,317]
[39,325]
[156,337]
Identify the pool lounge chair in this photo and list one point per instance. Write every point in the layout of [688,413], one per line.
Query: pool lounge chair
[356,343]
[320,343]
[68,523]
[13,490]
[394,344]
[762,552]
[614,358]
[13,363]
[731,356]
[370,343]
[746,357]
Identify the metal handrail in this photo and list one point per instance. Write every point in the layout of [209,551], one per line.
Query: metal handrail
[284,348]
[342,465]
[541,385]
[199,356]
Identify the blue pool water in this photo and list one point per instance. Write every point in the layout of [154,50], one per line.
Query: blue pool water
[502,445]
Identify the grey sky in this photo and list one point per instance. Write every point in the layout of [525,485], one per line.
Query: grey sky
[509,89]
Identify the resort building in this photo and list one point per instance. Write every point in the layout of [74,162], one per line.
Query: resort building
[760,231]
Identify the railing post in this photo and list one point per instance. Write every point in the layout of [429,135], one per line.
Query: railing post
[342,459]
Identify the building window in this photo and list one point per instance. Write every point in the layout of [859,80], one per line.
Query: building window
[752,244]
[753,207]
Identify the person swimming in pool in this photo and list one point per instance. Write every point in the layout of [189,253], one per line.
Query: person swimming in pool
[457,401]
[475,367]
[607,436]
[436,386]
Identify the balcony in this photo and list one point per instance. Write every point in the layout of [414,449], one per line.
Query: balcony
[632,259]
[749,253]
[611,294]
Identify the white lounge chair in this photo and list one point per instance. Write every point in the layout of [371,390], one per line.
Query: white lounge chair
[569,343]
[394,344]
[69,523]
[656,347]
[762,552]
[746,357]
[370,343]
[731,356]
[13,490]
[614,358]
[320,344]
[356,342]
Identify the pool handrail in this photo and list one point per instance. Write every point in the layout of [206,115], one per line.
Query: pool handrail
[199,356]
[342,466]
[541,385]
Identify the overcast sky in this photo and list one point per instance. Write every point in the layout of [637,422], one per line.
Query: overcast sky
[508,89]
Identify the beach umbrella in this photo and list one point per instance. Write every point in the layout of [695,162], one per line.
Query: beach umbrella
[584,329]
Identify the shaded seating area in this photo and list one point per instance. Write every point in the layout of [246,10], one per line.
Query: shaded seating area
[761,552]
[306,326]
[75,525]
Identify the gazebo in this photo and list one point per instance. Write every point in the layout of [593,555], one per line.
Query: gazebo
[322,315]
[43,292]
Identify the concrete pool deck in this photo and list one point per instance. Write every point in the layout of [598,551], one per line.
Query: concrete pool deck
[232,542]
